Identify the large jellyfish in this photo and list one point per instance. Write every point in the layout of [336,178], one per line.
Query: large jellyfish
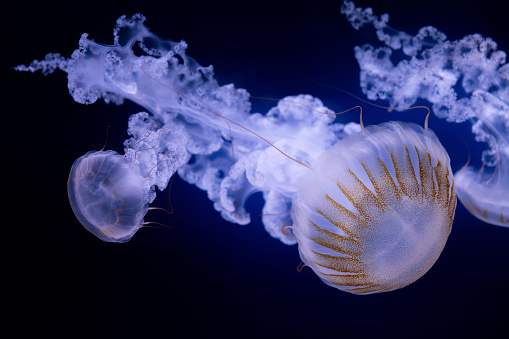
[376,211]
[390,186]
[464,80]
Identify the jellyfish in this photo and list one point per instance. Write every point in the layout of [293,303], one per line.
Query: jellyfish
[297,155]
[464,80]
[377,209]
[108,195]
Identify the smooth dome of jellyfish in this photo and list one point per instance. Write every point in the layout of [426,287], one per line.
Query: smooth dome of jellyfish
[482,197]
[466,79]
[108,195]
[377,210]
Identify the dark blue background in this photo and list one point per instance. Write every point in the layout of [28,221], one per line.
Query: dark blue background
[205,276]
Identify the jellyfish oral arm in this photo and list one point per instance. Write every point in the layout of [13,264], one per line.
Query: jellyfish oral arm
[464,80]
[189,115]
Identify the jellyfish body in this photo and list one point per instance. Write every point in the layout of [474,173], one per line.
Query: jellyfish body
[377,210]
[486,199]
[108,195]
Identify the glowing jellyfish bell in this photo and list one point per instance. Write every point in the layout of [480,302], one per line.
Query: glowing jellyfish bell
[486,194]
[108,195]
[377,209]
[483,197]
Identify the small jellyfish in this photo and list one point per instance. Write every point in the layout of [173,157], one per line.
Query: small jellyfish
[377,209]
[108,195]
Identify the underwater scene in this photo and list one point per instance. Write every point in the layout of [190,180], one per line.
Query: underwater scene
[332,168]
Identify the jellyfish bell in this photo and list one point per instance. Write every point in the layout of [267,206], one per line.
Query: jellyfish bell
[108,195]
[377,209]
[484,199]
[484,194]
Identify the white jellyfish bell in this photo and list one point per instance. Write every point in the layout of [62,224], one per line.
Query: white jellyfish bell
[377,209]
[108,195]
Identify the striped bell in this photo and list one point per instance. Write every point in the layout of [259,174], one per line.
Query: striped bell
[377,209]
